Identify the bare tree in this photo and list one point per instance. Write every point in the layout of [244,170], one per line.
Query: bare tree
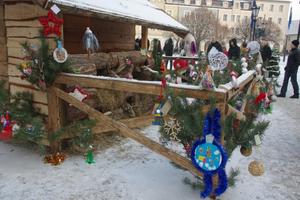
[243,30]
[222,31]
[273,33]
[201,23]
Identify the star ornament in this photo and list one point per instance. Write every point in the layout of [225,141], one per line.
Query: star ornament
[78,94]
[49,29]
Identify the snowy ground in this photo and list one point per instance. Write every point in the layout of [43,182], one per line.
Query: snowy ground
[133,172]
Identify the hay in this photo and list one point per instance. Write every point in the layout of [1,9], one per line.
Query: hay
[109,100]
[100,142]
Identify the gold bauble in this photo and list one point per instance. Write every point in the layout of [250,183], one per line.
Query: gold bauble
[256,168]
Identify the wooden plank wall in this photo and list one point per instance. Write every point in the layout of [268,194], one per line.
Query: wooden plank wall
[112,36]
[21,24]
[3,51]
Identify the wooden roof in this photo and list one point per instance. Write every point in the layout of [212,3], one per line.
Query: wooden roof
[138,12]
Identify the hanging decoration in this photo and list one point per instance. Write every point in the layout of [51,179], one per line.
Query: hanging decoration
[49,29]
[234,82]
[42,83]
[158,114]
[209,156]
[217,59]
[256,168]
[207,82]
[6,133]
[90,42]
[172,129]
[55,159]
[163,67]
[89,158]
[253,47]
[246,150]
[60,54]
[244,65]
[78,94]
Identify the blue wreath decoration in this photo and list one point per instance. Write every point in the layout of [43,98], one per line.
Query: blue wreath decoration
[211,127]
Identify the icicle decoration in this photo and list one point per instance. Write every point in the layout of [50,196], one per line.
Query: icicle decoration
[90,42]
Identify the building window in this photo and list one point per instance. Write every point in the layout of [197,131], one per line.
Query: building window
[245,18]
[225,4]
[271,8]
[270,19]
[279,21]
[170,12]
[246,6]
[187,13]
[232,18]
[238,18]
[232,30]
[225,17]
[237,5]
[262,7]
[281,7]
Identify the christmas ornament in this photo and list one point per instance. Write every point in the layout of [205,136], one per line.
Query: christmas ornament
[246,150]
[256,168]
[234,82]
[51,18]
[6,132]
[209,156]
[78,94]
[207,82]
[55,159]
[90,42]
[244,65]
[254,47]
[158,114]
[60,54]
[217,60]
[162,67]
[42,84]
[266,105]
[89,158]
[128,63]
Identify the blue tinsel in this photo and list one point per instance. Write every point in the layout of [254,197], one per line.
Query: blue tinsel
[212,126]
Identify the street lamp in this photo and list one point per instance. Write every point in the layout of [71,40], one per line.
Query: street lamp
[264,24]
[255,11]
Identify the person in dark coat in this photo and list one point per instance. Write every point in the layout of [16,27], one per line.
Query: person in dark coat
[291,70]
[234,51]
[214,43]
[136,46]
[265,51]
[168,49]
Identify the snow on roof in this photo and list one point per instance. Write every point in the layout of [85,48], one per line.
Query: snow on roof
[137,10]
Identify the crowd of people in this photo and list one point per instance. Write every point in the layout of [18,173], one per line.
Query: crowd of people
[235,52]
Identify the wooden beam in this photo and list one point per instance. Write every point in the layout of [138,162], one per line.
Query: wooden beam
[124,130]
[144,42]
[230,109]
[149,87]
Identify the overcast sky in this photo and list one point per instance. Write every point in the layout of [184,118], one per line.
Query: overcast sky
[296,8]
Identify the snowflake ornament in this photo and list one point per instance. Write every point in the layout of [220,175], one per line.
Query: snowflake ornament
[172,128]
[254,47]
[217,60]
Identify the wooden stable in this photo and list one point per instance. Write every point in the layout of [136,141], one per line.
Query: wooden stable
[19,22]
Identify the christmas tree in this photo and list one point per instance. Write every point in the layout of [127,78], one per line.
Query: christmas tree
[273,66]
[157,54]
[89,158]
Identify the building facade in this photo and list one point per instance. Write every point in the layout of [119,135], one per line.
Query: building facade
[228,12]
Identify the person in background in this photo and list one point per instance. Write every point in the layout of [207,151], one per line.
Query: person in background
[214,43]
[291,70]
[136,45]
[168,49]
[234,51]
[265,51]
[244,49]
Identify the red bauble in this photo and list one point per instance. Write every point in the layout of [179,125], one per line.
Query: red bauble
[51,18]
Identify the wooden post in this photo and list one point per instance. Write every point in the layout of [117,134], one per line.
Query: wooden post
[53,118]
[144,38]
